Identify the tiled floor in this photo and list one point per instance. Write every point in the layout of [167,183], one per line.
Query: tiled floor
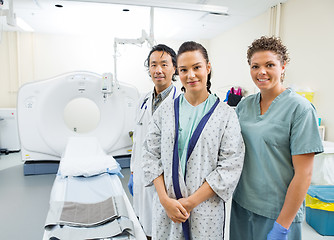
[24,202]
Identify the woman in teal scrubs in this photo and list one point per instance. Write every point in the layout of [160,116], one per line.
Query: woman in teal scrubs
[281,136]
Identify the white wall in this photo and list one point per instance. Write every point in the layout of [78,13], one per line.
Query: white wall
[228,55]
[306,28]
[8,71]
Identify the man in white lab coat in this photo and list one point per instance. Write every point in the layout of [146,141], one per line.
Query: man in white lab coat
[161,64]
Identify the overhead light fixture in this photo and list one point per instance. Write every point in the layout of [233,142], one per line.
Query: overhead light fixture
[23,25]
[9,13]
[215,9]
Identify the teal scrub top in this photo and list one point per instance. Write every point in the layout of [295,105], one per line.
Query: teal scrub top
[289,127]
[190,116]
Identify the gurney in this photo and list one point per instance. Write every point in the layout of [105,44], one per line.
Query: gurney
[87,199]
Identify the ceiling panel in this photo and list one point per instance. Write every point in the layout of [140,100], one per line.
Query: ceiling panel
[76,17]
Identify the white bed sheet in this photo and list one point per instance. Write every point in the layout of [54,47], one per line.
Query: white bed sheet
[323,167]
[90,190]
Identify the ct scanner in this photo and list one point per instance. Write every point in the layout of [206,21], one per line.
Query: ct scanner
[107,107]
[80,116]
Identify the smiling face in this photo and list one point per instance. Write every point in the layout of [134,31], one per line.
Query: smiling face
[193,71]
[266,71]
[161,70]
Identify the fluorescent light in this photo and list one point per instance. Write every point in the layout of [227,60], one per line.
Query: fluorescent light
[216,9]
[23,25]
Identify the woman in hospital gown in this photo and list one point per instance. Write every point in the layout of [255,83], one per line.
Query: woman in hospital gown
[281,135]
[193,154]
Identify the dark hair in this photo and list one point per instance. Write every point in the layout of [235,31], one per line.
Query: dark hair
[273,44]
[194,46]
[165,49]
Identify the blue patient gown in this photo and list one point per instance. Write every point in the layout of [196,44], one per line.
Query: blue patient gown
[217,158]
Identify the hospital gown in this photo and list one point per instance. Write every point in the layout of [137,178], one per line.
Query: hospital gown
[217,158]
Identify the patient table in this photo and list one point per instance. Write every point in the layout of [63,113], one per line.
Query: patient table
[88,201]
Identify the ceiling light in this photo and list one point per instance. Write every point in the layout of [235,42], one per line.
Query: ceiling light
[215,9]
[23,25]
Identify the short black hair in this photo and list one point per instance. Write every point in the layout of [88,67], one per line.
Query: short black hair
[162,48]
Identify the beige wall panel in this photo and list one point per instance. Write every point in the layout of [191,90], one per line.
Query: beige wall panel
[307,29]
[228,55]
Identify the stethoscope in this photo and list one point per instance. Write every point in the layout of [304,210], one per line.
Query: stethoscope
[143,107]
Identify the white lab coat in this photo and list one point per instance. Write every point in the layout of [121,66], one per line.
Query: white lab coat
[217,158]
[142,196]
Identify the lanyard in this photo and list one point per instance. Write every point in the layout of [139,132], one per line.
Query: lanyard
[193,140]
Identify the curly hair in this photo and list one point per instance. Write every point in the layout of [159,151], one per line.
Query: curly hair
[191,46]
[273,44]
